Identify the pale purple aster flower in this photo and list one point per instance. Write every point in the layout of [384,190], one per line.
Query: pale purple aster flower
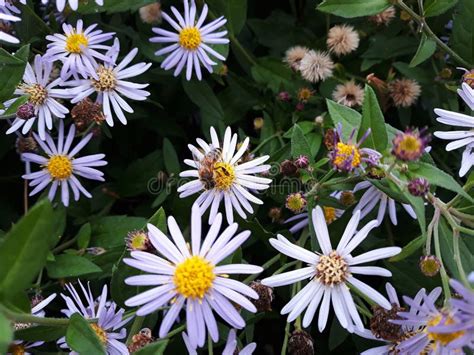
[470,277]
[61,166]
[373,196]
[42,95]
[302,219]
[191,278]
[73,4]
[230,345]
[109,84]
[330,273]
[349,156]
[110,320]
[406,331]
[425,317]
[78,49]
[191,43]
[220,172]
[21,346]
[8,12]
[465,317]
[460,138]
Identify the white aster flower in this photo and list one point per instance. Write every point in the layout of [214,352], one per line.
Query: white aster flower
[190,277]
[230,345]
[461,138]
[37,310]
[191,43]
[330,273]
[73,4]
[61,166]
[220,172]
[374,196]
[42,103]
[110,320]
[78,49]
[8,13]
[110,85]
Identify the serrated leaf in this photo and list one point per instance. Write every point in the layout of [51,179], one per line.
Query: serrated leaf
[425,50]
[299,143]
[68,265]
[438,177]
[349,119]
[438,7]
[353,8]
[170,157]
[372,117]
[81,338]
[26,246]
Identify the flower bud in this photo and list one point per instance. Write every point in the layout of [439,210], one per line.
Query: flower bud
[302,162]
[25,111]
[347,198]
[296,202]
[138,240]
[258,123]
[418,186]
[275,214]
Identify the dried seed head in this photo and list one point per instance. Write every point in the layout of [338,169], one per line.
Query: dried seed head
[151,13]
[288,168]
[404,92]
[275,214]
[342,39]
[381,326]
[429,265]
[86,112]
[301,343]
[265,296]
[26,145]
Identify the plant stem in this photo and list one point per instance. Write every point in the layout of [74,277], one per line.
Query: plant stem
[175,331]
[265,266]
[29,318]
[265,141]
[135,328]
[457,258]
[444,275]
[427,30]
[210,347]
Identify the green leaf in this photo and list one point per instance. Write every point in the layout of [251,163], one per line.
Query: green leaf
[438,177]
[6,334]
[41,333]
[438,7]
[419,207]
[353,8]
[26,246]
[111,231]
[12,68]
[201,94]
[155,348]
[425,50]
[68,265]
[372,117]
[272,73]
[159,220]
[410,248]
[349,118]
[84,236]
[14,106]
[170,157]
[235,11]
[462,39]
[299,143]
[82,338]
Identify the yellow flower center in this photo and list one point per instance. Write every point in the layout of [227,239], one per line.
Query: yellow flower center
[75,42]
[107,79]
[193,277]
[101,333]
[443,338]
[224,175]
[59,167]
[295,202]
[329,214]
[346,155]
[37,93]
[331,269]
[16,349]
[190,38]
[304,94]
[409,144]
[138,241]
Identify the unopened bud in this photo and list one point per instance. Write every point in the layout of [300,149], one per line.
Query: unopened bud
[430,265]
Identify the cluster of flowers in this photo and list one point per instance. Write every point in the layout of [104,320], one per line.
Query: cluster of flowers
[193,276]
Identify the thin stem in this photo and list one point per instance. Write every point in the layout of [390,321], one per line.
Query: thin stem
[25,196]
[29,318]
[210,346]
[444,275]
[65,245]
[265,141]
[135,328]
[427,30]
[265,266]
[175,331]
[457,258]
